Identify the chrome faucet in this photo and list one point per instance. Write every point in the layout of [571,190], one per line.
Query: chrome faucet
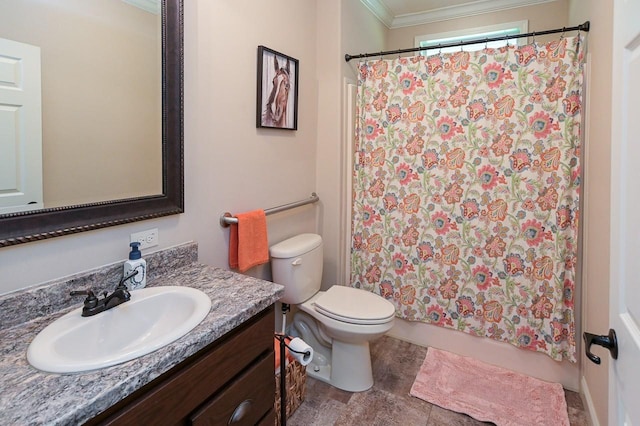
[93,305]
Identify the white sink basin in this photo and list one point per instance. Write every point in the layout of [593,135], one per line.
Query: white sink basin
[153,318]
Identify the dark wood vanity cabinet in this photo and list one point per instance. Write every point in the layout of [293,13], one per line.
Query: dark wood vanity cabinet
[231,381]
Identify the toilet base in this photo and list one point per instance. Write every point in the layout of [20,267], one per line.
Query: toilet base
[354,372]
[346,366]
[319,372]
[351,366]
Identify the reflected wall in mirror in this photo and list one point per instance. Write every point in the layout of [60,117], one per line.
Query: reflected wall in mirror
[112,113]
[100,73]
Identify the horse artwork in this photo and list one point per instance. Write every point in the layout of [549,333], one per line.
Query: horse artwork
[277,90]
[276,111]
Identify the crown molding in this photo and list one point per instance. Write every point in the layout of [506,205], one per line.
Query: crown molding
[382,12]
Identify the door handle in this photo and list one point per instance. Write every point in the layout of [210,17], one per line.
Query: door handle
[610,342]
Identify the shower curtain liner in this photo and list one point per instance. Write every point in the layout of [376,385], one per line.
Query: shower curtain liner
[466,190]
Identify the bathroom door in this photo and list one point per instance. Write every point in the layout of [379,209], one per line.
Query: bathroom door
[624,373]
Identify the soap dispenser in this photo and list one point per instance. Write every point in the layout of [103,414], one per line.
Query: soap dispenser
[135,263]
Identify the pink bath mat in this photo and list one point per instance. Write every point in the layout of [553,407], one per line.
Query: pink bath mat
[489,393]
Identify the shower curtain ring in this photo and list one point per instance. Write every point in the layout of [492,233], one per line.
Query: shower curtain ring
[562,35]
[486,43]
[533,38]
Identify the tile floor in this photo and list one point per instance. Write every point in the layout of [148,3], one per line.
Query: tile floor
[395,365]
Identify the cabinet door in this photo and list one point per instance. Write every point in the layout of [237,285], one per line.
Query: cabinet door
[172,397]
[243,402]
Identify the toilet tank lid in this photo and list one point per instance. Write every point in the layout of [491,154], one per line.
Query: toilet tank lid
[295,246]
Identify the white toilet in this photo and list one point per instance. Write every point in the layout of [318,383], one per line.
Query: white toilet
[338,323]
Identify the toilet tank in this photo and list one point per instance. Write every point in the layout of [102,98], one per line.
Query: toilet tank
[296,263]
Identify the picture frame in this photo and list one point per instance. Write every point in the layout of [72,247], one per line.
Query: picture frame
[277,97]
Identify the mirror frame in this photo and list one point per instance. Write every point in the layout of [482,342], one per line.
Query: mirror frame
[24,227]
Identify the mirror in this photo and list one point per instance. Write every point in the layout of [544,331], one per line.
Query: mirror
[164,196]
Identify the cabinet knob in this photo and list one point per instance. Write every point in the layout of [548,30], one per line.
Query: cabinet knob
[241,410]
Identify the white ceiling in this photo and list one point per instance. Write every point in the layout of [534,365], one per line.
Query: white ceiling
[403,13]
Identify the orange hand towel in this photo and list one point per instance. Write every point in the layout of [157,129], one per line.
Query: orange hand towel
[248,244]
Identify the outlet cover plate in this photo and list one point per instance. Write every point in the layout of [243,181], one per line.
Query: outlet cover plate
[148,238]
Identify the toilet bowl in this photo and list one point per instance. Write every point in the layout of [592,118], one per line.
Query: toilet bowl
[349,359]
[338,323]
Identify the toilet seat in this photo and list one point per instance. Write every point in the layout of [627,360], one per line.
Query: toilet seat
[354,306]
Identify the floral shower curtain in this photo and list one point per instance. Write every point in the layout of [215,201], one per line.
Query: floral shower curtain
[466,188]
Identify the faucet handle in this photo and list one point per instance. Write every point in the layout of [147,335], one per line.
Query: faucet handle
[91,300]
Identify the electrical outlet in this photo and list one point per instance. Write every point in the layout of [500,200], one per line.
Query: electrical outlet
[148,238]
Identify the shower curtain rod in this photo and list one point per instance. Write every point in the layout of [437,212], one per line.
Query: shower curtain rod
[581,27]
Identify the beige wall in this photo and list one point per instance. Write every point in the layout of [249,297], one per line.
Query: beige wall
[328,168]
[101,113]
[343,27]
[229,164]
[232,165]
[597,181]
[361,32]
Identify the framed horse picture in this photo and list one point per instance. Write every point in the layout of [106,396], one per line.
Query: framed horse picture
[277,106]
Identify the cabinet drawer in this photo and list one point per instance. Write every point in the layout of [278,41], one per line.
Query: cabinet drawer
[269,419]
[244,402]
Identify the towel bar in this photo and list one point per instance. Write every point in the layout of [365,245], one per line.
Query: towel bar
[227,218]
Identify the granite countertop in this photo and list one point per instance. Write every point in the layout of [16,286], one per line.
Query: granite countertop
[29,396]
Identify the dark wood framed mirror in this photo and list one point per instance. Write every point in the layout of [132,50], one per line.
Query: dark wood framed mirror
[17,228]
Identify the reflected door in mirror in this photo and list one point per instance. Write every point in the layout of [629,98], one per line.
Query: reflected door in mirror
[20,127]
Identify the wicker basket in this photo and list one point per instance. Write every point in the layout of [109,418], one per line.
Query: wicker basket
[296,381]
